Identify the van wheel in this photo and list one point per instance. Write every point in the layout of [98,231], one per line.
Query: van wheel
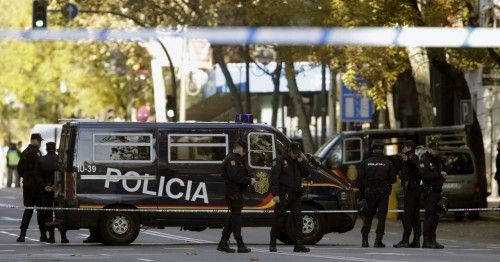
[313,227]
[459,216]
[119,228]
[283,237]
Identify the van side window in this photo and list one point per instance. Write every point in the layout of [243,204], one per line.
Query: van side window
[353,148]
[123,148]
[261,150]
[197,148]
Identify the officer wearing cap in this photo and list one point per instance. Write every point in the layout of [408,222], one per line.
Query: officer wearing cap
[32,180]
[376,176]
[410,179]
[48,166]
[433,177]
[286,187]
[236,179]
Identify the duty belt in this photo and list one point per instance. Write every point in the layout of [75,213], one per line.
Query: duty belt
[437,189]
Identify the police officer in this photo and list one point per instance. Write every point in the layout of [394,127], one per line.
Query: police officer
[48,166]
[433,176]
[28,170]
[236,178]
[286,187]
[410,178]
[376,175]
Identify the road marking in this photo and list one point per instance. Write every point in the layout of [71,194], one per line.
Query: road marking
[177,237]
[179,248]
[14,235]
[477,249]
[8,250]
[340,258]
[389,254]
[145,259]
[118,249]
[10,219]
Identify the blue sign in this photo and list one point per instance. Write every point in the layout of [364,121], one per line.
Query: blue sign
[355,107]
[70,11]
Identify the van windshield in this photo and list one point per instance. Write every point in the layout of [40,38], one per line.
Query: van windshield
[458,163]
[324,150]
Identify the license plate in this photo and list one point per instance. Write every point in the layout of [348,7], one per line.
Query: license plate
[452,186]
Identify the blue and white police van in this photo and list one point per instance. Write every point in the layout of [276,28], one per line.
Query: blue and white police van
[174,167]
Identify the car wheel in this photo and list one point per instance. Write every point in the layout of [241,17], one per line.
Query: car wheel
[474,215]
[459,216]
[313,227]
[119,228]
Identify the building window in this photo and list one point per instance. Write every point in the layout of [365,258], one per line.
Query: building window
[123,148]
[261,150]
[197,148]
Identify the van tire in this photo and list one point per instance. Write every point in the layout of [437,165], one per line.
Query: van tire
[119,228]
[313,228]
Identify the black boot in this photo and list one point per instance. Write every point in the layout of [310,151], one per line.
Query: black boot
[22,236]
[299,247]
[436,244]
[64,239]
[241,246]
[52,238]
[364,242]
[403,243]
[272,245]
[224,246]
[92,238]
[43,235]
[428,242]
[416,241]
[378,242]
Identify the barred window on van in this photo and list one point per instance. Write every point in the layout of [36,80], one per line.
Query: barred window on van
[261,150]
[197,148]
[123,148]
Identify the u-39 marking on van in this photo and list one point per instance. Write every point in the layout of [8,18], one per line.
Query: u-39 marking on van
[114,175]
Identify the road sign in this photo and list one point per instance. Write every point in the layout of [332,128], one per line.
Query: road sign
[142,114]
[466,112]
[356,107]
[70,11]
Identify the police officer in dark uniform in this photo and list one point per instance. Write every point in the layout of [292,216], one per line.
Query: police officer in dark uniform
[32,191]
[376,176]
[433,176]
[236,178]
[286,187]
[410,179]
[48,166]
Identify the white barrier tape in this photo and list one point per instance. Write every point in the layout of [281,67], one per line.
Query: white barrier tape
[338,36]
[220,210]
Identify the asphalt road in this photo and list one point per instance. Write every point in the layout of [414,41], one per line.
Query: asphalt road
[465,241]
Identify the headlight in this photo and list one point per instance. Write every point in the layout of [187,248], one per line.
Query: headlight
[343,196]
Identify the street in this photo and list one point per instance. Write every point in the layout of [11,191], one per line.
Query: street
[465,241]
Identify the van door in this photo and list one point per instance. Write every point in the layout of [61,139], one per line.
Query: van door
[117,166]
[189,174]
[352,155]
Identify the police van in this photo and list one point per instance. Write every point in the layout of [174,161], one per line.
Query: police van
[176,167]
[465,186]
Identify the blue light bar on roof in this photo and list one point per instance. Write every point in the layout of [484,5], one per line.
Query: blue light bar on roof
[244,118]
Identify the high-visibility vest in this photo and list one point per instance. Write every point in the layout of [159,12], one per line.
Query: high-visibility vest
[12,158]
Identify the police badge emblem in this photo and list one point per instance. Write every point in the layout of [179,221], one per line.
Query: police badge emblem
[262,182]
[285,163]
[233,163]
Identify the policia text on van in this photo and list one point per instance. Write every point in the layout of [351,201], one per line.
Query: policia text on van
[177,166]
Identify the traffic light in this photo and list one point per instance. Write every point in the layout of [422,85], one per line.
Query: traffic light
[171,111]
[39,14]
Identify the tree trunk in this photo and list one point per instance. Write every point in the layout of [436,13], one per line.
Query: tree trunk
[299,107]
[390,109]
[420,67]
[276,93]
[324,103]
[235,93]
